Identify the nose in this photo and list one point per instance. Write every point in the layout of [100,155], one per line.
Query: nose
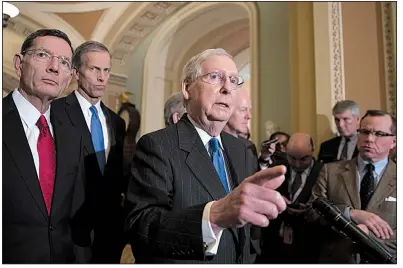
[53,65]
[101,76]
[248,115]
[226,88]
[370,137]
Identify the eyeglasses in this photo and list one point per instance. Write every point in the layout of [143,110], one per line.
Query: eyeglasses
[219,78]
[45,57]
[378,134]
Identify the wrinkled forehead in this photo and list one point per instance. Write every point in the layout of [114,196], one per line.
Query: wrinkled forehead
[219,63]
[377,123]
[52,44]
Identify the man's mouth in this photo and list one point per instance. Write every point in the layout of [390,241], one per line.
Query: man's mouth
[49,81]
[222,104]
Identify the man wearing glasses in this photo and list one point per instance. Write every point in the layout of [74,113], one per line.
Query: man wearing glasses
[364,188]
[43,172]
[191,197]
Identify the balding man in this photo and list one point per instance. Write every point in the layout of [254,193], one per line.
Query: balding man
[237,125]
[174,108]
[288,239]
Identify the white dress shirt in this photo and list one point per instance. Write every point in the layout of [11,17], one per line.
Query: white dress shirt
[350,147]
[85,107]
[210,238]
[29,116]
[304,176]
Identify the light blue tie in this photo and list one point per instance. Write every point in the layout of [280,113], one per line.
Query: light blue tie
[97,138]
[218,162]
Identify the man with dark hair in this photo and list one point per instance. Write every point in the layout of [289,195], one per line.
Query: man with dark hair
[103,132]
[43,165]
[363,188]
[346,116]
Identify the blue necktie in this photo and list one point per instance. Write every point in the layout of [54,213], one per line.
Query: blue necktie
[97,138]
[218,162]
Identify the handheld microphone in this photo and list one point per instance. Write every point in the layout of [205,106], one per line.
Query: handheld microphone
[335,217]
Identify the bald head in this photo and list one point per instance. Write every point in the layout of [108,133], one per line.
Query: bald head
[238,122]
[300,151]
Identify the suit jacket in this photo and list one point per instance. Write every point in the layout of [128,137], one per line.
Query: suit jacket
[173,178]
[338,183]
[304,245]
[329,150]
[30,235]
[105,190]
[252,158]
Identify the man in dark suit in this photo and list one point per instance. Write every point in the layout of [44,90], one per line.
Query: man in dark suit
[346,116]
[364,189]
[191,197]
[43,165]
[288,239]
[238,123]
[103,134]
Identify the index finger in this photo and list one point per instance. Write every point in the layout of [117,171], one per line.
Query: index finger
[266,177]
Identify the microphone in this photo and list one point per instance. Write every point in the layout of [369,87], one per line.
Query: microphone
[335,217]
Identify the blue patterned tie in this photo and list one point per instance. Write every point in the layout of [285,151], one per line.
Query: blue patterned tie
[218,162]
[97,138]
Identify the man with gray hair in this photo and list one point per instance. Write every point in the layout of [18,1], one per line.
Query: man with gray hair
[103,132]
[174,109]
[347,117]
[191,196]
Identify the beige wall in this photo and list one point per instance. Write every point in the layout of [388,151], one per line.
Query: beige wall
[363,59]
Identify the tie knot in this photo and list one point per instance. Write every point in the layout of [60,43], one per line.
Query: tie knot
[370,167]
[41,123]
[93,110]
[348,139]
[214,145]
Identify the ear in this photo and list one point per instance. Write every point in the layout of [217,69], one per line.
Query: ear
[76,73]
[393,143]
[185,89]
[175,117]
[17,60]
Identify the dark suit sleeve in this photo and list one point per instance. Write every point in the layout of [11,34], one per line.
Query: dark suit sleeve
[154,227]
[81,224]
[321,152]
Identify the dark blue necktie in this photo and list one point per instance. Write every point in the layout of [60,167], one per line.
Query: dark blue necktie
[97,138]
[218,162]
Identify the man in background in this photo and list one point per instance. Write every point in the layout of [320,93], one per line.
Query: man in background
[174,108]
[364,189]
[103,132]
[346,116]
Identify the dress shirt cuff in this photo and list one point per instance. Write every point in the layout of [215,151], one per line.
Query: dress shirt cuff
[211,238]
[346,213]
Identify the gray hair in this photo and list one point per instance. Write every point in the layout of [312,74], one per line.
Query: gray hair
[88,46]
[175,104]
[193,69]
[345,105]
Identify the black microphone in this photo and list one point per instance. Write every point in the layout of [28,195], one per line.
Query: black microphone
[335,217]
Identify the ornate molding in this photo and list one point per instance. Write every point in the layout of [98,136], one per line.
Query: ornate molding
[389,53]
[337,54]
[117,79]
[144,24]
[20,26]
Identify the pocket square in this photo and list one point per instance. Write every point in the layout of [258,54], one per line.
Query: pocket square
[390,199]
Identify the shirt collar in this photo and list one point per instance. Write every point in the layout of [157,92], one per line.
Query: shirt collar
[379,166]
[353,138]
[85,104]
[307,170]
[205,137]
[29,114]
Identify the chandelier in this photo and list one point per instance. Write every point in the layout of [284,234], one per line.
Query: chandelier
[9,11]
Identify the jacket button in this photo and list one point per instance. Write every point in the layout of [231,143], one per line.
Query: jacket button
[51,227]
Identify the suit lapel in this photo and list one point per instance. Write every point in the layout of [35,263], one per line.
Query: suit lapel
[385,186]
[16,142]
[198,159]
[236,158]
[350,182]
[75,114]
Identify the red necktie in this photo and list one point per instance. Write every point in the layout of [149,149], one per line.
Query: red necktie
[47,162]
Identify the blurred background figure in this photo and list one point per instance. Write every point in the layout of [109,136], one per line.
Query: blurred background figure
[346,117]
[174,108]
